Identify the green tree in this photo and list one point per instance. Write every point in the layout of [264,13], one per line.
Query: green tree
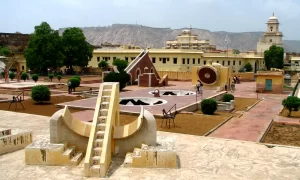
[291,103]
[121,64]
[75,82]
[4,51]
[103,64]
[59,77]
[122,77]
[248,67]
[77,51]
[44,49]
[40,93]
[35,77]
[209,106]
[236,51]
[24,76]
[11,75]
[274,57]
[51,76]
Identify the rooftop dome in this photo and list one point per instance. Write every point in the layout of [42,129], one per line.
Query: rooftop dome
[273,17]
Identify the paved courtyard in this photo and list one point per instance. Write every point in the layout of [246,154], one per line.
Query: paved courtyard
[200,158]
[180,101]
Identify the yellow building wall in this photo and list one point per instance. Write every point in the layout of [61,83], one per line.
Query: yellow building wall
[277,82]
[235,62]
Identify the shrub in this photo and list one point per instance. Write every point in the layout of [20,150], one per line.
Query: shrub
[248,67]
[209,106]
[291,103]
[75,83]
[51,76]
[3,74]
[227,97]
[59,77]
[12,76]
[35,77]
[121,64]
[103,64]
[121,77]
[40,93]
[77,77]
[24,76]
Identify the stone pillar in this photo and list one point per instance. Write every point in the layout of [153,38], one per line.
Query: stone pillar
[6,74]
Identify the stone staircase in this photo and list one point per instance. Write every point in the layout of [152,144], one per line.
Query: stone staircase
[99,130]
[44,153]
[133,156]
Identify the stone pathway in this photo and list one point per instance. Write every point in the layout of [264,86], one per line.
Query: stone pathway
[252,125]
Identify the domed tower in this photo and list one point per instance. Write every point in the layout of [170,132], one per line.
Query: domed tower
[272,36]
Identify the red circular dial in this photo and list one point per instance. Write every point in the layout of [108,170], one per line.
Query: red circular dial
[207,75]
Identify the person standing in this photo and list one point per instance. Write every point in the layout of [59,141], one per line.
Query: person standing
[69,87]
[226,87]
[198,86]
[232,86]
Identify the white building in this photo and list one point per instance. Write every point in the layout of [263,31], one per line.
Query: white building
[271,37]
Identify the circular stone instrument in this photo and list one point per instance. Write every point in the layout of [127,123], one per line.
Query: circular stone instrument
[208,75]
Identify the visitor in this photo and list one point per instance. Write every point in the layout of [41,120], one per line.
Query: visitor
[201,87]
[69,87]
[232,86]
[226,87]
[240,78]
[198,86]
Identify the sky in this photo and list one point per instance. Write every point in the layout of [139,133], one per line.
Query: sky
[213,15]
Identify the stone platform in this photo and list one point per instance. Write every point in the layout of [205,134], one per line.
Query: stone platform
[25,85]
[199,158]
[180,101]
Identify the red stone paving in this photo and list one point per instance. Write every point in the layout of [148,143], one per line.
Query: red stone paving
[86,115]
[253,123]
[180,101]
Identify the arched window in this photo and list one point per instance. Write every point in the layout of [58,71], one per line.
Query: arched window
[270,40]
[151,70]
[271,28]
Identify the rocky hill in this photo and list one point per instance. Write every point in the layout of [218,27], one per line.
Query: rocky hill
[144,36]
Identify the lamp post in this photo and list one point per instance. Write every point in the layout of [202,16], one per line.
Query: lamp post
[227,62]
[48,71]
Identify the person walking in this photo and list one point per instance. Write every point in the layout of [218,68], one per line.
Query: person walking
[69,87]
[232,86]
[226,87]
[198,86]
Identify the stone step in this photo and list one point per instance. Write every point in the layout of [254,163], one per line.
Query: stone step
[103,112]
[105,98]
[107,86]
[69,152]
[101,127]
[97,151]
[96,160]
[76,159]
[104,105]
[100,134]
[98,143]
[106,92]
[95,171]
[144,146]
[102,119]
[5,132]
[128,160]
